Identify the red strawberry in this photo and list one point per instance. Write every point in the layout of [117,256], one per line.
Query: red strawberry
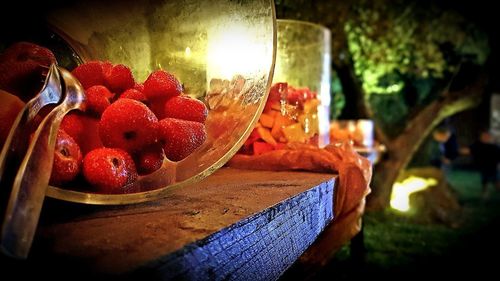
[128,124]
[186,108]
[119,78]
[106,67]
[180,137]
[23,51]
[67,159]
[98,99]
[158,107]
[73,125]
[278,92]
[139,87]
[21,68]
[135,95]
[299,96]
[90,73]
[83,129]
[161,85]
[109,169]
[150,159]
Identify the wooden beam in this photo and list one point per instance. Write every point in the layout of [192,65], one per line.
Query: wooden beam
[235,225]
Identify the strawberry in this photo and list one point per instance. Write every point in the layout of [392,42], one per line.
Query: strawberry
[180,137]
[299,96]
[24,51]
[139,87]
[135,95]
[73,125]
[161,85]
[186,108]
[106,67]
[67,159]
[149,159]
[83,129]
[158,107]
[158,88]
[98,99]
[109,169]
[22,66]
[128,124]
[278,92]
[90,73]
[119,78]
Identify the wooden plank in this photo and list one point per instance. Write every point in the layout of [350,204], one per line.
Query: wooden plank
[235,225]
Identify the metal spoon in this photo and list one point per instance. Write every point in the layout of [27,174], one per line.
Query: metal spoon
[32,178]
[49,94]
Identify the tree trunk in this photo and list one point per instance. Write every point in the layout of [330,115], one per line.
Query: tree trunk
[355,106]
[401,149]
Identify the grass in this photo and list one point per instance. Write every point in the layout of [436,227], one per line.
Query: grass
[397,247]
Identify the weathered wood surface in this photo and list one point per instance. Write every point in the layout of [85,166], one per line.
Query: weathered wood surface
[234,225]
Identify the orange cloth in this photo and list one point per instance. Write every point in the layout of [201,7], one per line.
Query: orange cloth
[354,171]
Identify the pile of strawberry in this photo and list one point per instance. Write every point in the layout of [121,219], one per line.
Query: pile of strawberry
[127,129]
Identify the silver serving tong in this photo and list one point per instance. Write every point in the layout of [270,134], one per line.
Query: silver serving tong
[50,94]
[33,174]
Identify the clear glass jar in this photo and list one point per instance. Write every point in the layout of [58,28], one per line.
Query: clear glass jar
[297,109]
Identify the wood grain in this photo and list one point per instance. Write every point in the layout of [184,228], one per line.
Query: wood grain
[234,225]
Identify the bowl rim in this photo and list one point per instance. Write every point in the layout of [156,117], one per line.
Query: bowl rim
[306,23]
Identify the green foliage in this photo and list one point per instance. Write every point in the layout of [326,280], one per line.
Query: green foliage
[338,98]
[424,87]
[408,38]
[390,112]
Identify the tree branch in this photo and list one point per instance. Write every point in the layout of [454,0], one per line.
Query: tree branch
[419,127]
[401,150]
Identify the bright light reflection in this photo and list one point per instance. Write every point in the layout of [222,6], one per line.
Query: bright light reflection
[401,191]
[236,50]
[187,52]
